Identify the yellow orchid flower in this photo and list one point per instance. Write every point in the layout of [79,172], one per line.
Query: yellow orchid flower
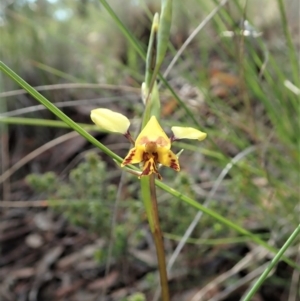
[152,146]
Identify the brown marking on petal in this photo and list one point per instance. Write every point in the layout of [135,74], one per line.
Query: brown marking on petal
[161,141]
[143,140]
[129,157]
[150,168]
[145,157]
[174,165]
[147,169]
[155,170]
[155,167]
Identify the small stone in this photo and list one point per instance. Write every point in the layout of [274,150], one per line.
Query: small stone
[34,240]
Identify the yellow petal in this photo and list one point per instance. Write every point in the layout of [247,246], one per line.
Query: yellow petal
[135,155]
[153,132]
[168,158]
[187,133]
[110,121]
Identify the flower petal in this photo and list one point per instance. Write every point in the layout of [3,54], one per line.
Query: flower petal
[110,120]
[149,168]
[153,132]
[135,155]
[187,133]
[168,158]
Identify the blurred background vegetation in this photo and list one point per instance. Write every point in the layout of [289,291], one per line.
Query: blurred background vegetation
[242,88]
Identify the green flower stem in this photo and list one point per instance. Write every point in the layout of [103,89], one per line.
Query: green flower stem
[274,261]
[145,190]
[159,244]
[157,48]
[152,107]
[148,190]
[163,35]
[150,93]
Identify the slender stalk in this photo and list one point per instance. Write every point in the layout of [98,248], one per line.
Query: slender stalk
[159,244]
[274,261]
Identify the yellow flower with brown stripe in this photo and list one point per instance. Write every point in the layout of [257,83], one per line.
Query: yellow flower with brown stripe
[152,147]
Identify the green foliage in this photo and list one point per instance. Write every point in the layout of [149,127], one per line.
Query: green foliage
[86,200]
[46,183]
